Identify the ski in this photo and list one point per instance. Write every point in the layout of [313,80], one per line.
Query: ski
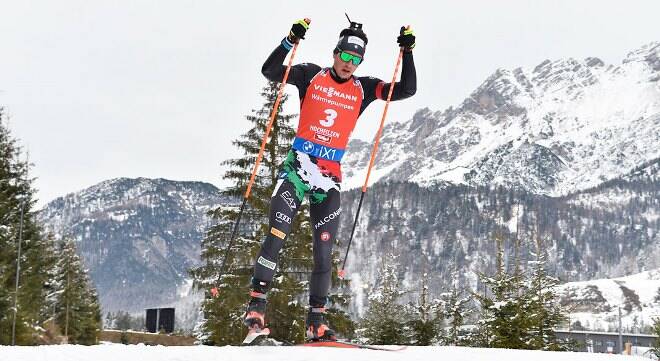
[260,338]
[347,344]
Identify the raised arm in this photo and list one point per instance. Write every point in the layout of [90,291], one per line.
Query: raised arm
[274,68]
[407,85]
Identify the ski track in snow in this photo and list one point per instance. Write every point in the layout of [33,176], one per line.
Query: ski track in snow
[112,352]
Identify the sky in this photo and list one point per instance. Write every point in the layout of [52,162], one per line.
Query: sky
[96,90]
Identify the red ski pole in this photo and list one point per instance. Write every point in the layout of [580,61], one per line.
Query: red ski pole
[273,114]
[342,272]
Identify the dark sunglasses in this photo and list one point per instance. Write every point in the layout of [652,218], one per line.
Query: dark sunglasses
[350,57]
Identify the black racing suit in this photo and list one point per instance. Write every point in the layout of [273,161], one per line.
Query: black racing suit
[302,174]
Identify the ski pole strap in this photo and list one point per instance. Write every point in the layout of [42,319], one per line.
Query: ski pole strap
[287,44]
[318,150]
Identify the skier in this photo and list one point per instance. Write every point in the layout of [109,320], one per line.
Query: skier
[331,99]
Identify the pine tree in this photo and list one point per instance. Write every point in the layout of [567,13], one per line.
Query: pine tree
[18,223]
[426,317]
[457,307]
[222,321]
[544,307]
[523,310]
[385,320]
[504,322]
[77,310]
[655,350]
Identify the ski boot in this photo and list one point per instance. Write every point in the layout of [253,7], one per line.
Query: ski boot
[254,319]
[317,326]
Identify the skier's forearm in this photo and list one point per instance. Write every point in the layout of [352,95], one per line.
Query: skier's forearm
[407,86]
[273,68]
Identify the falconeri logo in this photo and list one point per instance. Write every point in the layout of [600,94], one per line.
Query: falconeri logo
[327,218]
[332,92]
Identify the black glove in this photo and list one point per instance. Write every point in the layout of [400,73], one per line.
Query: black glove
[298,30]
[406,38]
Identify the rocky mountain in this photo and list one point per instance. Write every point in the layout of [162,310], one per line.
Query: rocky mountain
[137,237]
[560,127]
[449,231]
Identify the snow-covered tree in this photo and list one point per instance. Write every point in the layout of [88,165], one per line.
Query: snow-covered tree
[504,322]
[385,320]
[544,309]
[426,316]
[457,308]
[655,350]
[522,309]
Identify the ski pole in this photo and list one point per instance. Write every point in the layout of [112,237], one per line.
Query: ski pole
[342,272]
[273,114]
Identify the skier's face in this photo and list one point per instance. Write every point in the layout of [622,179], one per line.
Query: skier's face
[344,68]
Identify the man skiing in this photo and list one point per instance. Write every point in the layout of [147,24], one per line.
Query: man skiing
[331,101]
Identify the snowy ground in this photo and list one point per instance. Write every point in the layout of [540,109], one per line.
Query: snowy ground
[112,352]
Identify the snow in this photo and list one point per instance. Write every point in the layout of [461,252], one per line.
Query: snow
[111,352]
[645,285]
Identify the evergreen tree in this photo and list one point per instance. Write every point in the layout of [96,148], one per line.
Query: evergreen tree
[522,311]
[222,321]
[655,350]
[544,306]
[426,317]
[385,320]
[457,307]
[77,311]
[504,322]
[18,227]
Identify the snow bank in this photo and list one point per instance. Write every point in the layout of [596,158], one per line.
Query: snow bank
[112,352]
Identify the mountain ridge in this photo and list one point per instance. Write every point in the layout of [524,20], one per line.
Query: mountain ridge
[562,126]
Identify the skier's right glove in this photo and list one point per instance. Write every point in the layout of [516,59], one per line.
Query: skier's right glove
[406,38]
[298,30]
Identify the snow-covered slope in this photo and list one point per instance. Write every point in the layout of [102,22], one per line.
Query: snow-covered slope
[562,126]
[595,304]
[273,353]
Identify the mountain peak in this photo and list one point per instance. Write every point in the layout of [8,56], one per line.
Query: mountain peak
[562,126]
[648,53]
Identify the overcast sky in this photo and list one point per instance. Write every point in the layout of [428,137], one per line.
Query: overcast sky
[104,89]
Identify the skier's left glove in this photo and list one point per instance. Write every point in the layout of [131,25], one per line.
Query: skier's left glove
[406,38]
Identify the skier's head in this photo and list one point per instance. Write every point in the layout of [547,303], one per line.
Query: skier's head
[349,52]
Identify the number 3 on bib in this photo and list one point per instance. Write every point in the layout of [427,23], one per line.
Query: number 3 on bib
[329,119]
